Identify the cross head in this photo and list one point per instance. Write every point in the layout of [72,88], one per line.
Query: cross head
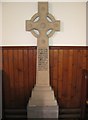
[42,25]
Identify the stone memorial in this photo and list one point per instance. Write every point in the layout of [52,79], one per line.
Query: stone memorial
[42,103]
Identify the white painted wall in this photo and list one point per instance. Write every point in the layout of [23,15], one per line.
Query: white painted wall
[44,0]
[72,16]
[0,23]
[0,62]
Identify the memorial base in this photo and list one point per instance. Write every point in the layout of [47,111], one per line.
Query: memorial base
[42,103]
[42,112]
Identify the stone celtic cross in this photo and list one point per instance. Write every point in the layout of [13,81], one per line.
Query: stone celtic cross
[42,25]
[42,103]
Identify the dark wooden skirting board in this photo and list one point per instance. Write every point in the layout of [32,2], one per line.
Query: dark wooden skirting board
[67,66]
[22,113]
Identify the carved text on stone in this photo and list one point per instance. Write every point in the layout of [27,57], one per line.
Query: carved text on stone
[42,59]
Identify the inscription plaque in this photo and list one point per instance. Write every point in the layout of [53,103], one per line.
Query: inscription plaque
[42,59]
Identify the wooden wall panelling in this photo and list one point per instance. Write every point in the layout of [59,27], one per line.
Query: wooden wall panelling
[11,77]
[55,72]
[19,75]
[26,75]
[16,76]
[65,80]
[75,77]
[85,61]
[31,69]
[60,70]
[87,69]
[0,82]
[70,71]
[5,81]
[0,58]
[79,77]
[83,94]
